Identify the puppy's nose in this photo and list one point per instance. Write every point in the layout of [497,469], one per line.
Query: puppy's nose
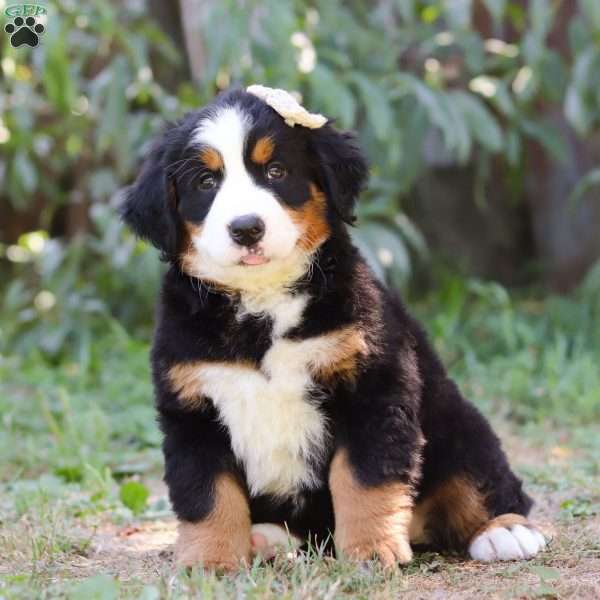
[247,230]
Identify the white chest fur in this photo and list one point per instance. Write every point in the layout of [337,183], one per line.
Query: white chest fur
[275,430]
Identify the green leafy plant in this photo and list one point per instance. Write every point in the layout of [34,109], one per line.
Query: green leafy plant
[423,82]
[134,495]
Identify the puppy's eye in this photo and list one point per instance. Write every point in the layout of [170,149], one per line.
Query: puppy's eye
[206,182]
[276,171]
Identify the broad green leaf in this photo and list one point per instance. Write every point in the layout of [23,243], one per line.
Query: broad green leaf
[540,16]
[334,57]
[525,85]
[459,123]
[587,182]
[58,80]
[576,111]
[376,103]
[585,67]
[579,35]
[113,122]
[548,136]
[388,250]
[553,75]
[134,495]
[503,100]
[482,124]
[412,235]
[473,50]
[413,122]
[434,104]
[331,96]
[360,240]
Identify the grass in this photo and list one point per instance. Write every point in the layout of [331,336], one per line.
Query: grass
[83,513]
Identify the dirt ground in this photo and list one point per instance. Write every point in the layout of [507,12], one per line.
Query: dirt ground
[137,552]
[569,569]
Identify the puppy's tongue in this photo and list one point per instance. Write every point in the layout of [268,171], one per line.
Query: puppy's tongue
[254,259]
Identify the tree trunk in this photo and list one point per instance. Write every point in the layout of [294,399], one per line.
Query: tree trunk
[191,19]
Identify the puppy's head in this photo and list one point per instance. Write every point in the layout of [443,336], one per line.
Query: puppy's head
[239,198]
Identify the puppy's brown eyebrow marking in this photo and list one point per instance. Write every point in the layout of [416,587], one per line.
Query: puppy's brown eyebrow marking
[212,159]
[263,150]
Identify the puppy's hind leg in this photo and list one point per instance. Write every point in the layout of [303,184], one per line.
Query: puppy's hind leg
[507,537]
[456,516]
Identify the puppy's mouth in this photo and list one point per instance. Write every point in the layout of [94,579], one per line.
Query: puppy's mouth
[254,257]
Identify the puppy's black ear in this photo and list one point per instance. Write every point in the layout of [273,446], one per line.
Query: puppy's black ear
[150,207]
[343,170]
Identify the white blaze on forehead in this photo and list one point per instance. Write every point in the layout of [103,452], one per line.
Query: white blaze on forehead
[226,132]
[218,256]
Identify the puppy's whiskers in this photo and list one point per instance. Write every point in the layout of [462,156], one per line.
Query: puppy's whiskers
[182,164]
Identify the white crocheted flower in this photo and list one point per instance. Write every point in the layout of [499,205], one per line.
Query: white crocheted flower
[287,106]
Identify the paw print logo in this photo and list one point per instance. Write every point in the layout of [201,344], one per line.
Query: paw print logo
[24,31]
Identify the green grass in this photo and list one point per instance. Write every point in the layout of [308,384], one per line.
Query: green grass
[82,507]
[528,359]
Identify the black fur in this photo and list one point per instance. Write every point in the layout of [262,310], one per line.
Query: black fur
[401,395]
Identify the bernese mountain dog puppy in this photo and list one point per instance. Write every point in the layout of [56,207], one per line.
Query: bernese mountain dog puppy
[292,387]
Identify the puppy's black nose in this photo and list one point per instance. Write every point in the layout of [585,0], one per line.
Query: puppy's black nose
[247,230]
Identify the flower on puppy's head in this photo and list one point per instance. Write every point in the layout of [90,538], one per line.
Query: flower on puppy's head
[287,106]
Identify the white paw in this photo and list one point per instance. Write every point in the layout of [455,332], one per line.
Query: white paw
[516,542]
[268,539]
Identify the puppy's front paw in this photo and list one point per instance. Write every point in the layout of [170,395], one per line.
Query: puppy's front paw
[269,539]
[390,551]
[198,544]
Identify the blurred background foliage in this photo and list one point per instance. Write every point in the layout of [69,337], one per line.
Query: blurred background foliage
[480,119]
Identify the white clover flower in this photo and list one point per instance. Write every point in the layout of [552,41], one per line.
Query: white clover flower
[287,106]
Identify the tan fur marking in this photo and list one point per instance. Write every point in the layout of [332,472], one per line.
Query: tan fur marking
[263,151]
[222,540]
[312,219]
[458,503]
[336,355]
[506,520]
[212,159]
[417,533]
[186,383]
[369,521]
[188,255]
[347,345]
